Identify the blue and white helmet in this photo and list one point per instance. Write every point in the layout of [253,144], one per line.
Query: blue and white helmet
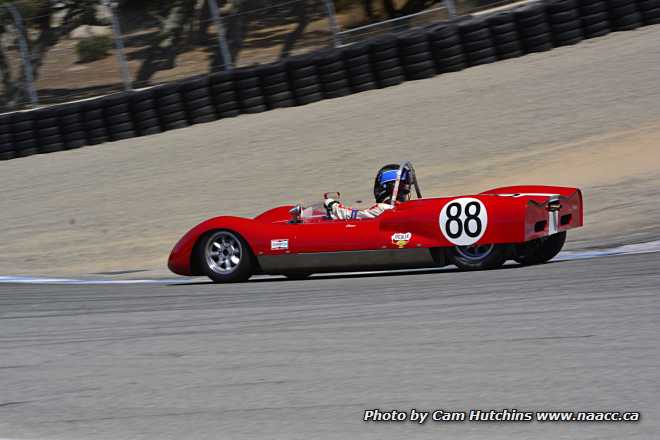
[385,181]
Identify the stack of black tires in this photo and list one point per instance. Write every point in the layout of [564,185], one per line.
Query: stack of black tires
[197,100]
[145,113]
[386,61]
[447,48]
[332,73]
[650,10]
[416,56]
[118,120]
[477,41]
[6,142]
[46,123]
[248,90]
[304,79]
[594,18]
[358,67]
[624,15]
[534,29]
[170,107]
[223,95]
[504,33]
[72,126]
[94,122]
[275,85]
[565,22]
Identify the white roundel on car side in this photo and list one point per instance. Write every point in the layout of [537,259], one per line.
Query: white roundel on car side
[463,221]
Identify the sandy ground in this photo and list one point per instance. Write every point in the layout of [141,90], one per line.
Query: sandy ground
[587,115]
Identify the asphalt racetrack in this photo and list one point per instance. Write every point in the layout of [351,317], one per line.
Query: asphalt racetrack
[276,359]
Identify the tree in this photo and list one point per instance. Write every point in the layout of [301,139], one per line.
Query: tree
[42,32]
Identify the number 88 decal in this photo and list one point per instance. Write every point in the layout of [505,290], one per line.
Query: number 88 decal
[464,221]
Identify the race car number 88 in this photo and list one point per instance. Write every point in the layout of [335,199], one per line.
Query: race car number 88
[463,221]
[469,217]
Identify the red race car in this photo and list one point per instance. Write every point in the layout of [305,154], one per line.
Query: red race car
[525,223]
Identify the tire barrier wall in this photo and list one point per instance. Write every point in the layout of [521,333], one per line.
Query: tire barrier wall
[330,73]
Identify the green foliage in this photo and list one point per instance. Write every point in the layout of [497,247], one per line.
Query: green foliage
[28,8]
[94,48]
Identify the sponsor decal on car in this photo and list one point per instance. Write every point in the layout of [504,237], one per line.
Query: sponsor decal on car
[401,238]
[279,244]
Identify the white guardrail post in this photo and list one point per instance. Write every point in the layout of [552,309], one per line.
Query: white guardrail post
[119,44]
[222,37]
[451,7]
[25,53]
[332,20]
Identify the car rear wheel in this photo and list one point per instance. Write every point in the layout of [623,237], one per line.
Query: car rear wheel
[480,256]
[225,257]
[540,250]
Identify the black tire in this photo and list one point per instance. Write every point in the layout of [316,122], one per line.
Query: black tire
[392,71]
[566,26]
[191,95]
[71,144]
[7,155]
[449,51]
[507,55]
[120,135]
[333,76]
[209,117]
[173,117]
[308,99]
[337,93]
[473,46]
[302,72]
[568,38]
[564,16]
[651,16]
[200,112]
[363,87]
[304,82]
[253,92]
[540,250]
[175,125]
[275,88]
[627,22]
[217,266]
[480,257]
[428,72]
[391,81]
[597,30]
[284,103]
[593,8]
[174,98]
[504,49]
[538,29]
[336,85]
[392,52]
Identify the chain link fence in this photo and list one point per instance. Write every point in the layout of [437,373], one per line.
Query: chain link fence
[57,51]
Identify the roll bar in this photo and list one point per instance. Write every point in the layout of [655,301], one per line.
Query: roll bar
[406,165]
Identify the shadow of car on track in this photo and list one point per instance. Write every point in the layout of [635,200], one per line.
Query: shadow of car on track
[349,275]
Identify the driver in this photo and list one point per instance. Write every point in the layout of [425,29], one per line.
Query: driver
[383,190]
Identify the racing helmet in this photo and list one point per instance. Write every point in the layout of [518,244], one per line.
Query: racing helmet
[385,181]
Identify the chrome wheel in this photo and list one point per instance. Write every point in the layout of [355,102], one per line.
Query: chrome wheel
[223,252]
[475,252]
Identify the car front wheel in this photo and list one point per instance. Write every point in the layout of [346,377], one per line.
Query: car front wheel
[225,257]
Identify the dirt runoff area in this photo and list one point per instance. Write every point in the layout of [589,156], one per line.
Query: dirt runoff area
[586,116]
